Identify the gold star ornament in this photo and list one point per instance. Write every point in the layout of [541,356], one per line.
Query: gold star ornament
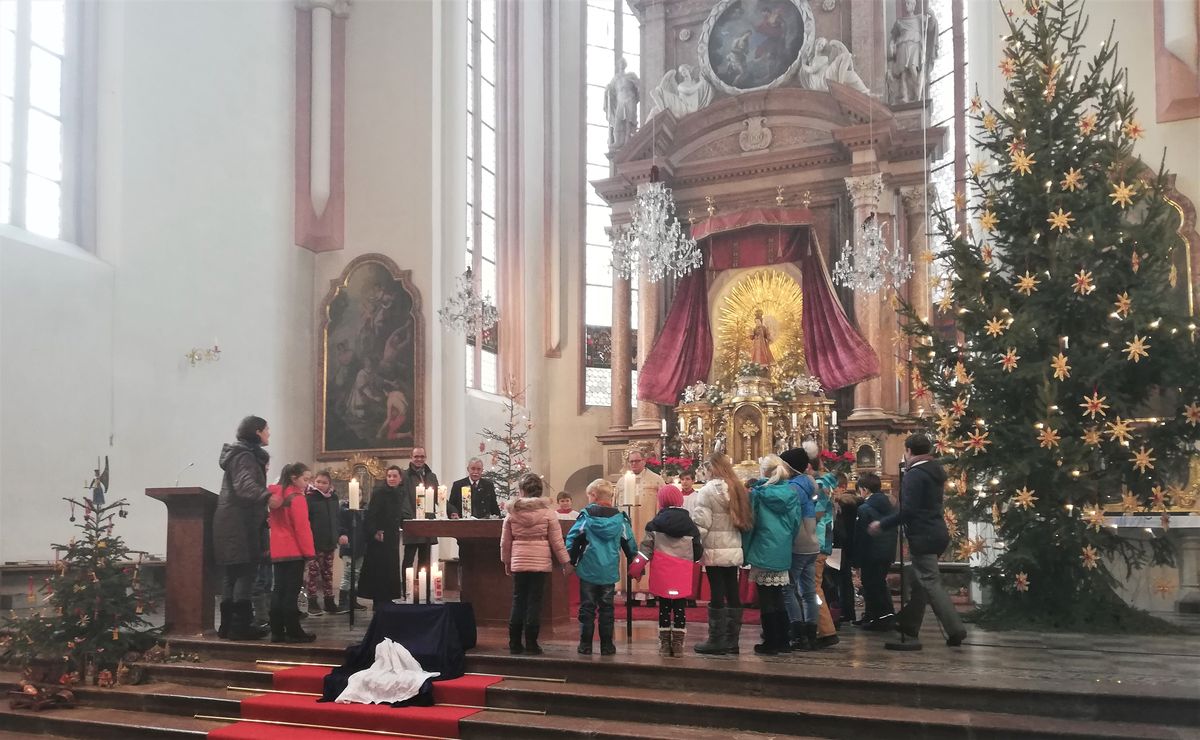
[1009,361]
[1094,404]
[976,105]
[1133,130]
[1137,349]
[988,220]
[1090,557]
[1083,283]
[978,167]
[1119,430]
[989,122]
[1072,180]
[1025,498]
[977,442]
[1062,370]
[1094,518]
[1060,221]
[1191,412]
[1087,124]
[1091,436]
[1008,67]
[1122,194]
[1021,582]
[1048,438]
[1027,284]
[1144,459]
[960,200]
[995,327]
[1123,304]
[958,407]
[1022,163]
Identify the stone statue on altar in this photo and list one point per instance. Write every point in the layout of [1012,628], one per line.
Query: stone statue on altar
[912,48]
[760,342]
[621,106]
[681,91]
[831,61]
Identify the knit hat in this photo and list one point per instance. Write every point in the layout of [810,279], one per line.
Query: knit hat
[796,458]
[669,495]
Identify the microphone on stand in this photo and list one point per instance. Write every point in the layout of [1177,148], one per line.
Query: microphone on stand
[181,472]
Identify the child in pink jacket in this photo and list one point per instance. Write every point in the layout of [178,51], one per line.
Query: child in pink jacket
[673,543]
[531,541]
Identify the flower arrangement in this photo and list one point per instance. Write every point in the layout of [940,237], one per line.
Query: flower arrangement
[753,369]
[836,463]
[670,467]
[715,395]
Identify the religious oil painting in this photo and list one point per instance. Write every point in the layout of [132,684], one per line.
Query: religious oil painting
[753,43]
[372,362]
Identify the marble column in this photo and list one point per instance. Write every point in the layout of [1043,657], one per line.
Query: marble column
[865,193]
[916,200]
[648,414]
[621,357]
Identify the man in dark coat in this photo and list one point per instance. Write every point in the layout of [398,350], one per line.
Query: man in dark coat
[417,475]
[237,523]
[381,578]
[874,555]
[920,512]
[483,493]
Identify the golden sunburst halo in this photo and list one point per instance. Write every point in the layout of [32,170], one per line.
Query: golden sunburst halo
[780,299]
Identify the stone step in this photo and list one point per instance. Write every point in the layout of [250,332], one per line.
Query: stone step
[105,724]
[494,725]
[809,715]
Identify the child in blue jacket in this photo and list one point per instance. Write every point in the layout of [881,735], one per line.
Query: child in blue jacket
[595,542]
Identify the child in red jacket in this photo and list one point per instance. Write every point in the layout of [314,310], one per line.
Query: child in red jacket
[291,546]
[672,542]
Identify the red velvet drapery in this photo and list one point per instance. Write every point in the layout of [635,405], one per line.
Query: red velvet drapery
[682,354]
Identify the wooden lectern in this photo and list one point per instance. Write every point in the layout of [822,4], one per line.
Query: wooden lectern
[484,583]
[190,584]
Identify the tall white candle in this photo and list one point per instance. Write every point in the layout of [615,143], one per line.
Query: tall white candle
[355,493]
[834,417]
[664,427]
[422,582]
[408,580]
[437,584]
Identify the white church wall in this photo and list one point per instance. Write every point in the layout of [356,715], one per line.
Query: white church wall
[194,189]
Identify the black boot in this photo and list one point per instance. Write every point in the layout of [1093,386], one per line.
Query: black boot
[241,625]
[733,630]
[294,632]
[531,636]
[331,606]
[278,631]
[782,632]
[226,616]
[717,633]
[586,630]
[770,637]
[607,647]
[514,638]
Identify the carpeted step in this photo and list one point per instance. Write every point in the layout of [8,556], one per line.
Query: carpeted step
[435,721]
[469,690]
[256,731]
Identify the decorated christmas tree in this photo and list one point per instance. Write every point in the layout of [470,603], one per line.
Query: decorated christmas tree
[508,448]
[91,611]
[1061,359]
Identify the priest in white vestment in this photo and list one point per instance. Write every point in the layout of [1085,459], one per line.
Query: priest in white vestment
[636,493]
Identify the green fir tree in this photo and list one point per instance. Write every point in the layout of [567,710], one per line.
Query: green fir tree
[92,610]
[508,448]
[1062,359]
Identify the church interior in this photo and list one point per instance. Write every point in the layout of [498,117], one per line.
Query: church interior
[588,240]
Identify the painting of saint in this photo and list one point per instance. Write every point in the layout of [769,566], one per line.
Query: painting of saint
[754,42]
[372,354]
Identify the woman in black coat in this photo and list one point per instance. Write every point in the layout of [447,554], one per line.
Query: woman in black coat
[237,523]
[381,580]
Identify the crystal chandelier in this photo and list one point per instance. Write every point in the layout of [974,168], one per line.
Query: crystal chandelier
[870,265]
[654,235]
[466,310]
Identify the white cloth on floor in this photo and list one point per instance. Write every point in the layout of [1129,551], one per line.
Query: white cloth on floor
[394,676]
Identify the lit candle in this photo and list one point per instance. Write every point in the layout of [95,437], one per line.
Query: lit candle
[408,579]
[355,493]
[794,418]
[664,427]
[814,423]
[833,418]
[439,500]
[422,581]
[466,502]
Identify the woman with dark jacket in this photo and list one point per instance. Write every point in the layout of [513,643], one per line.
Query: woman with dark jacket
[844,526]
[874,555]
[237,523]
[381,580]
[291,548]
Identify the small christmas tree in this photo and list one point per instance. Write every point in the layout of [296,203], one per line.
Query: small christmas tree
[509,449]
[92,610]
[1067,380]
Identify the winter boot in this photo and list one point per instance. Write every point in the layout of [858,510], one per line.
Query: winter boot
[278,632]
[820,643]
[531,635]
[677,636]
[799,632]
[586,630]
[664,642]
[733,629]
[293,631]
[717,643]
[226,617]
[782,632]
[241,625]
[331,606]
[262,610]
[607,647]
[514,638]
[314,606]
[770,626]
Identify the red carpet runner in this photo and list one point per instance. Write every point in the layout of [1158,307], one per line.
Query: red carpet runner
[435,721]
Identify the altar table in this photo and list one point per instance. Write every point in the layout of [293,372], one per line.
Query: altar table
[485,585]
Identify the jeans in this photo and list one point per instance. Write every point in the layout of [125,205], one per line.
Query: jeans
[238,582]
[723,584]
[877,600]
[595,597]
[527,598]
[671,613]
[289,576]
[800,600]
[923,580]
[265,580]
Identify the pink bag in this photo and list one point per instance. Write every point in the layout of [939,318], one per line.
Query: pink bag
[671,577]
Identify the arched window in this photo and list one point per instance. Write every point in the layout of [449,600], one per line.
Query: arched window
[612,32]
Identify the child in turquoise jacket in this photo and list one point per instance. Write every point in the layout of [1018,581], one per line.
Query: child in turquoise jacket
[595,542]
